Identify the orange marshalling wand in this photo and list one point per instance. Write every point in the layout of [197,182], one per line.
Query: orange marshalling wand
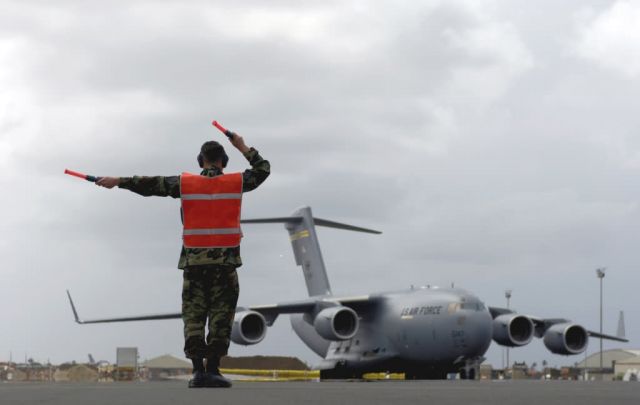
[82,176]
[222,129]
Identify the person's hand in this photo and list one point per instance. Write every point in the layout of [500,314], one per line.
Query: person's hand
[108,182]
[238,142]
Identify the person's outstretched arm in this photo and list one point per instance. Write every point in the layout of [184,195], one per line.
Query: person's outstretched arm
[161,186]
[169,186]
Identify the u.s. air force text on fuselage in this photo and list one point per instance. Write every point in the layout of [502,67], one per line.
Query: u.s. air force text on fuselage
[413,311]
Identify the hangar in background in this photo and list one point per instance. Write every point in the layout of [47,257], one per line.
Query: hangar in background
[166,367]
[614,361]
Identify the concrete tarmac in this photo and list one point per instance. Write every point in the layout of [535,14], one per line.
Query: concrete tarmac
[351,393]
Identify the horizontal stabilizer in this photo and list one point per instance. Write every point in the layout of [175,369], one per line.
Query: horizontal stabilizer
[280,220]
[316,221]
[338,225]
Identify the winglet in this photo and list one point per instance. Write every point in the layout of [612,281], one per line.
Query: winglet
[73,308]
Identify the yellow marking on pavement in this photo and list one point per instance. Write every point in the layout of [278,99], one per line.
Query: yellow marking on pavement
[265,379]
[296,375]
[273,373]
[383,376]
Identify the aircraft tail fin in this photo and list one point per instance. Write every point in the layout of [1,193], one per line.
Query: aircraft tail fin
[306,248]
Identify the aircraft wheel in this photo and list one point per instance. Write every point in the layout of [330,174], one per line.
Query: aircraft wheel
[425,375]
[339,373]
[468,375]
[471,375]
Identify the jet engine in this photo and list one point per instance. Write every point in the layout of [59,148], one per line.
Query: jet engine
[249,328]
[512,330]
[566,338]
[336,323]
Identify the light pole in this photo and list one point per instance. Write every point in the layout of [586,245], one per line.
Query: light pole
[507,295]
[600,273]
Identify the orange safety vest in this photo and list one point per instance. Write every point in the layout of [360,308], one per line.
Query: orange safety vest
[211,210]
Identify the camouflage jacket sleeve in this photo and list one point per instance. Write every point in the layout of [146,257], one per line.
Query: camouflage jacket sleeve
[260,169]
[161,186]
[169,186]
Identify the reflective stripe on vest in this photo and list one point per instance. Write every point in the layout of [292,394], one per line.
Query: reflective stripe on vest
[227,231]
[211,210]
[228,196]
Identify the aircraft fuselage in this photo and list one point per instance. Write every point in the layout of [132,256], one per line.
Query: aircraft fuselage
[431,330]
[436,325]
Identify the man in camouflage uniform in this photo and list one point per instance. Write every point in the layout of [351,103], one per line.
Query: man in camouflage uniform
[210,282]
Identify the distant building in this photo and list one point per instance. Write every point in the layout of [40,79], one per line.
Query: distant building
[571,373]
[621,367]
[31,371]
[519,371]
[486,372]
[610,358]
[9,372]
[166,367]
[76,373]
[126,363]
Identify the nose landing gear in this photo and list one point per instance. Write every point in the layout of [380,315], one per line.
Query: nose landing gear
[471,369]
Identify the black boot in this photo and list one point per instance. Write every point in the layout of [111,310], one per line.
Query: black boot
[213,378]
[199,377]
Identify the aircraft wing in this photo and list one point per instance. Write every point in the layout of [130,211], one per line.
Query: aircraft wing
[543,324]
[357,303]
[609,337]
[123,319]
[270,312]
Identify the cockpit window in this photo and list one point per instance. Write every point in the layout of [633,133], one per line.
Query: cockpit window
[453,307]
[469,306]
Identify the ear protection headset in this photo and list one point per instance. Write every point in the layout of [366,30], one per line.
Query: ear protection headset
[224,158]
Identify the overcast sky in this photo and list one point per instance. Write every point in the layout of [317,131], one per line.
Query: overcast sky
[494,143]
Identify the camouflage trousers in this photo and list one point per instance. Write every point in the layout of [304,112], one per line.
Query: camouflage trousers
[209,294]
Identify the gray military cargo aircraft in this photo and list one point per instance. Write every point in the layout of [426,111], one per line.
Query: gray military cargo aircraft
[425,332]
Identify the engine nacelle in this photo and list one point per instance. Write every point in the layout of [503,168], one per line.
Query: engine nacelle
[249,328]
[336,323]
[512,330]
[566,338]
